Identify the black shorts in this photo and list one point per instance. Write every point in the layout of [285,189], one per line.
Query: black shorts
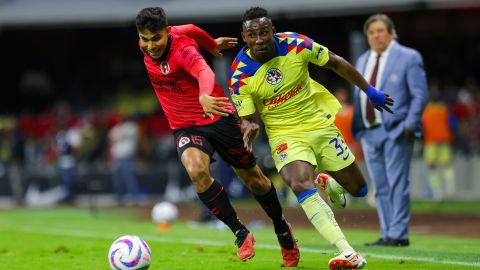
[223,136]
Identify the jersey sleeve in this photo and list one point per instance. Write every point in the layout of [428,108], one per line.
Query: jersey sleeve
[196,33]
[243,102]
[318,55]
[240,92]
[205,76]
[187,56]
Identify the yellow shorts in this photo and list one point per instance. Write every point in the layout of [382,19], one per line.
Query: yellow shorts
[437,154]
[325,149]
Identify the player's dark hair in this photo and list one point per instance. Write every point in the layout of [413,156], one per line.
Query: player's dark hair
[254,13]
[151,19]
[383,18]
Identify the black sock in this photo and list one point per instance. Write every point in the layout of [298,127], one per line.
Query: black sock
[286,240]
[217,201]
[273,208]
[241,236]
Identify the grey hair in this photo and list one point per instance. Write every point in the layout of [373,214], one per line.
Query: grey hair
[385,19]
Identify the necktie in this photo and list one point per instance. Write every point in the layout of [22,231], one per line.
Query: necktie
[370,110]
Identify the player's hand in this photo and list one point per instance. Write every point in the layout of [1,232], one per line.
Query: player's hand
[380,100]
[250,133]
[223,43]
[214,106]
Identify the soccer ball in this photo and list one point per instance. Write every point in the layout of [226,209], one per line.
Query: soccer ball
[129,252]
[164,212]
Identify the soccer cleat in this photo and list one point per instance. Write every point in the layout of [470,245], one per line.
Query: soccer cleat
[245,243]
[339,200]
[290,256]
[347,260]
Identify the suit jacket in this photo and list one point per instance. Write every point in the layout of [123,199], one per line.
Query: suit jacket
[405,81]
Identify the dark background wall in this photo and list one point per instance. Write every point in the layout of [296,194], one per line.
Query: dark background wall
[88,65]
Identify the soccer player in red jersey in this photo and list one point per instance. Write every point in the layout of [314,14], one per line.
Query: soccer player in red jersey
[203,122]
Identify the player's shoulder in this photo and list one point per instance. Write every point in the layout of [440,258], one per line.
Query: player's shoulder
[183,49]
[180,42]
[293,38]
[243,68]
[243,63]
[288,41]
[283,35]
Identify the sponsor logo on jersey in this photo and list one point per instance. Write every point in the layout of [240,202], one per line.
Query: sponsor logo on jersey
[320,50]
[183,141]
[278,100]
[277,89]
[282,157]
[165,67]
[274,76]
[165,84]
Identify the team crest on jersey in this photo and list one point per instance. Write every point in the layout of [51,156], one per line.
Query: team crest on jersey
[274,76]
[165,67]
[183,141]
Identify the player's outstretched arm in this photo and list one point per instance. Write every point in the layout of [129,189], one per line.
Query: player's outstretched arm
[206,82]
[214,46]
[223,43]
[250,130]
[344,69]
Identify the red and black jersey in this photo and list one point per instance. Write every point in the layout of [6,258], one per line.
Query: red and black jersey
[175,85]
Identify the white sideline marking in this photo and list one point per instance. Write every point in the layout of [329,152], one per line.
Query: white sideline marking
[90,234]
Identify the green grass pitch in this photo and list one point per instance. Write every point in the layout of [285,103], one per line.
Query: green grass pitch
[72,238]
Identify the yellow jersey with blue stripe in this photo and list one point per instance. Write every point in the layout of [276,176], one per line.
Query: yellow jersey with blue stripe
[288,100]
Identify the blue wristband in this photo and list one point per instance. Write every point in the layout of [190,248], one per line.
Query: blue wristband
[377,97]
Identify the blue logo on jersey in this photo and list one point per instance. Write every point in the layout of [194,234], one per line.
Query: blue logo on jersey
[274,76]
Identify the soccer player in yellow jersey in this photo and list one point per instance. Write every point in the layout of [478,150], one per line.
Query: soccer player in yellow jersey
[271,75]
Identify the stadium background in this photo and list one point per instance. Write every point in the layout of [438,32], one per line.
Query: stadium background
[78,62]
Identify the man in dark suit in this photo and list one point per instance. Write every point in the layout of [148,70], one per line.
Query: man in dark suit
[387,139]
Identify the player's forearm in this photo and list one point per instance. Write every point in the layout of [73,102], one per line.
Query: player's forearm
[205,76]
[196,33]
[206,82]
[345,70]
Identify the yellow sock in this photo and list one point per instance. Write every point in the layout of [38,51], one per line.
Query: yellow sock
[435,184]
[321,216]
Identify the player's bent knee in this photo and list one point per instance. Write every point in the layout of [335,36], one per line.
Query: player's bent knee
[259,188]
[300,187]
[363,191]
[258,184]
[198,173]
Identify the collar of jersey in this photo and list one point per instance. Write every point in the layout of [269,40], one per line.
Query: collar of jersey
[251,65]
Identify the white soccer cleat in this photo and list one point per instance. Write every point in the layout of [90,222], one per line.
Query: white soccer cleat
[339,200]
[347,260]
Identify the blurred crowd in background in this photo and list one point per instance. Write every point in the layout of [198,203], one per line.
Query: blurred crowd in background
[79,114]
[62,146]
